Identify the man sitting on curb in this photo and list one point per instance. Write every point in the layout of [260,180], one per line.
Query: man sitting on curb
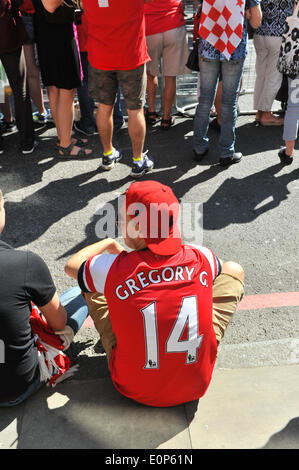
[26,280]
[160,309]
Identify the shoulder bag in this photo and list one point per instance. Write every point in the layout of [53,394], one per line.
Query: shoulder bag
[192,62]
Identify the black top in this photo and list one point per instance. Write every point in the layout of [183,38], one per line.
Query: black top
[24,277]
[58,53]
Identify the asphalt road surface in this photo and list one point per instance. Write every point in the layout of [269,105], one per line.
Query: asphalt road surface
[250,215]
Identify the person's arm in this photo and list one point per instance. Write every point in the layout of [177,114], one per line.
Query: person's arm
[51,5]
[42,292]
[74,263]
[54,313]
[254,15]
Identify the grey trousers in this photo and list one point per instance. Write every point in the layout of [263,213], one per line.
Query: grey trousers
[290,128]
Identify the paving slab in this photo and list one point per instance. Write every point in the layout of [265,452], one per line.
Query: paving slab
[252,408]
[249,409]
[93,415]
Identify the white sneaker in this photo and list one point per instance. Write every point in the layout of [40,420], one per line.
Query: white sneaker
[108,161]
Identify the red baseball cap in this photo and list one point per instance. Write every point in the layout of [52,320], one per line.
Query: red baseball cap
[157,210]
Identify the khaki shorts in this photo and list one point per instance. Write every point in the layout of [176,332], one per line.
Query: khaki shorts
[103,86]
[227,293]
[170,46]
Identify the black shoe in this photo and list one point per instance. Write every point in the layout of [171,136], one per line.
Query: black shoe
[215,125]
[284,158]
[198,156]
[1,145]
[29,148]
[78,128]
[9,126]
[227,161]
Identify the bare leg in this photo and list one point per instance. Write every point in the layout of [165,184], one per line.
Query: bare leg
[168,96]
[152,87]
[6,110]
[53,94]
[65,115]
[33,76]
[290,145]
[137,130]
[104,120]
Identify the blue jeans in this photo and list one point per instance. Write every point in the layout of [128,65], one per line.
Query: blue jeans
[210,70]
[77,312]
[86,103]
[290,128]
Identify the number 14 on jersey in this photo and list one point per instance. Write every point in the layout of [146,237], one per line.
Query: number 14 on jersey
[188,315]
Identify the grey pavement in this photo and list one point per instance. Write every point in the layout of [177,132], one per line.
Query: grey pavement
[250,215]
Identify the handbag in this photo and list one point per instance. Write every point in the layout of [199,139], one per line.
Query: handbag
[192,62]
[288,60]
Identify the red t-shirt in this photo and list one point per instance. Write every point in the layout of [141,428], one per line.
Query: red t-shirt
[161,313]
[27,7]
[116,34]
[162,15]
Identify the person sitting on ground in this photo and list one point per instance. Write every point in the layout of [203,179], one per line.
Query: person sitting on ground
[160,309]
[166,39]
[25,280]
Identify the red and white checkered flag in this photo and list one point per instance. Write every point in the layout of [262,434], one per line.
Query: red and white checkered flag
[221,24]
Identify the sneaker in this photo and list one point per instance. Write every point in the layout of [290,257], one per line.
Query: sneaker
[43,118]
[9,126]
[227,161]
[29,149]
[284,158]
[109,161]
[198,156]
[78,128]
[140,169]
[1,145]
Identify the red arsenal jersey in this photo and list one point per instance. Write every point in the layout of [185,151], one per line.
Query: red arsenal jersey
[116,34]
[160,309]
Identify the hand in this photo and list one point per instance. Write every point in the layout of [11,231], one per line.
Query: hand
[248,14]
[66,336]
[114,248]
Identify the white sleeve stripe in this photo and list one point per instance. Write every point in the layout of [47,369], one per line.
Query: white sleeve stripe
[210,257]
[99,268]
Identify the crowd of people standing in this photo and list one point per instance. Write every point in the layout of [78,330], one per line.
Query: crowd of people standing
[85,57]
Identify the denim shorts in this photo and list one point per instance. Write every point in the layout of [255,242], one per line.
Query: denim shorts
[28,23]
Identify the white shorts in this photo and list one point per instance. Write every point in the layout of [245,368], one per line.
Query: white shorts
[170,46]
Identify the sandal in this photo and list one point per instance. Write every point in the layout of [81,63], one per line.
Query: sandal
[151,117]
[66,152]
[167,123]
[77,141]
